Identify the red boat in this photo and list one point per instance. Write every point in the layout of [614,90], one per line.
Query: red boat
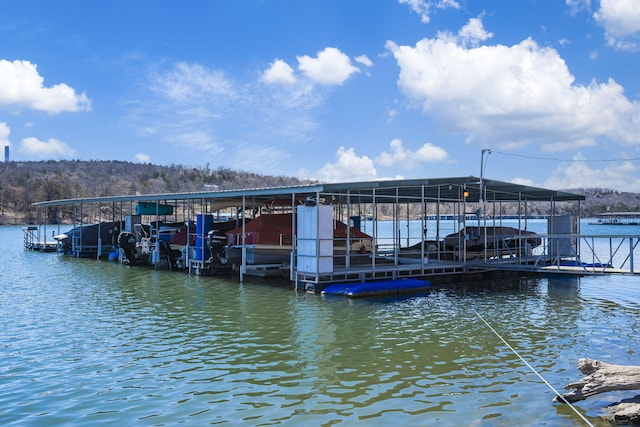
[268,240]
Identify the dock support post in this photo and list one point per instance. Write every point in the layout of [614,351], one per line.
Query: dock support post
[243,263]
[374,230]
[423,226]
[294,241]
[631,267]
[347,243]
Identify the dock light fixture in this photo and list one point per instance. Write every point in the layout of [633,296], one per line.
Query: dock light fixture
[465,194]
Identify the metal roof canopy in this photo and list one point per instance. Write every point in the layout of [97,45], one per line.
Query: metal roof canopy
[386,191]
[450,189]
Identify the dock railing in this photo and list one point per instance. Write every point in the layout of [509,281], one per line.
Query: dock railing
[35,240]
[604,253]
[588,253]
[31,237]
[592,253]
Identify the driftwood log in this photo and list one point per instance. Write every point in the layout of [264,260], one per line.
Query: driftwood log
[603,377]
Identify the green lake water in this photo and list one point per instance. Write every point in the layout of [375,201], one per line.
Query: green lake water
[97,343]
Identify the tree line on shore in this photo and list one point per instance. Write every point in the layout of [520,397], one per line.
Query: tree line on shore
[23,183]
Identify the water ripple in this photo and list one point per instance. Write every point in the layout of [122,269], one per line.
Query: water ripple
[85,342]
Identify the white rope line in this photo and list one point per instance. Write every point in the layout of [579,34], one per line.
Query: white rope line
[533,370]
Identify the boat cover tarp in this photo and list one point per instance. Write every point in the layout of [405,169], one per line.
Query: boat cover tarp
[498,237]
[180,238]
[107,231]
[275,229]
[151,208]
[385,287]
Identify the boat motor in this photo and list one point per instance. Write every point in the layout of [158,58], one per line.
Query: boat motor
[216,241]
[127,242]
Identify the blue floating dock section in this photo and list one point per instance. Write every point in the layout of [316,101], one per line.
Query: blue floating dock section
[385,287]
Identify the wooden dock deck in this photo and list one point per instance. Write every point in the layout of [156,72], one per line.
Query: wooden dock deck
[42,246]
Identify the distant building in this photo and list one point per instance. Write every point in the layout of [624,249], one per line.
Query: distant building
[6,153]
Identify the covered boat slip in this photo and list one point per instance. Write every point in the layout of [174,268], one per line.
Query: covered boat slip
[341,232]
[619,218]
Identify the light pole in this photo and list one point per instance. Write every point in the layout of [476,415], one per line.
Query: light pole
[481,199]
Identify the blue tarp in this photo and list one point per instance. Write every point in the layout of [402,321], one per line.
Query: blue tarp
[584,264]
[385,287]
[151,208]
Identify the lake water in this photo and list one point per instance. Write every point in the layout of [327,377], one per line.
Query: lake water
[97,343]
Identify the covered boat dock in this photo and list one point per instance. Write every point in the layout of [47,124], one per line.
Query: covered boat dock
[619,218]
[320,234]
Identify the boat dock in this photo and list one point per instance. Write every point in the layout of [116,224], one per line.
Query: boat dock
[618,218]
[320,234]
[33,241]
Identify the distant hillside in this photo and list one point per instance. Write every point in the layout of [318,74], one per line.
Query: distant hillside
[600,200]
[23,183]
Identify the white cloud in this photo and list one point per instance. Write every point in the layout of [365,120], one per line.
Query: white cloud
[142,158]
[264,159]
[578,5]
[523,181]
[621,21]
[392,113]
[424,7]
[473,32]
[330,67]
[21,86]
[279,73]
[51,148]
[348,167]
[579,174]
[364,60]
[511,96]
[203,113]
[409,159]
[191,83]
[196,140]
[4,134]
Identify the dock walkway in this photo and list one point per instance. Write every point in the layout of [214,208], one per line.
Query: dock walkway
[379,271]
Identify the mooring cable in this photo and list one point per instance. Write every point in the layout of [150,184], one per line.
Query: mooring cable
[533,370]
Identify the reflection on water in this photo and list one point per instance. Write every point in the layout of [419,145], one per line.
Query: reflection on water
[86,342]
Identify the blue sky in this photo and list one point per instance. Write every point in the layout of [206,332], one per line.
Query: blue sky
[332,90]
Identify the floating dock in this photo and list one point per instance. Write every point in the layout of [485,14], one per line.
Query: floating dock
[321,234]
[618,218]
[383,287]
[33,241]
